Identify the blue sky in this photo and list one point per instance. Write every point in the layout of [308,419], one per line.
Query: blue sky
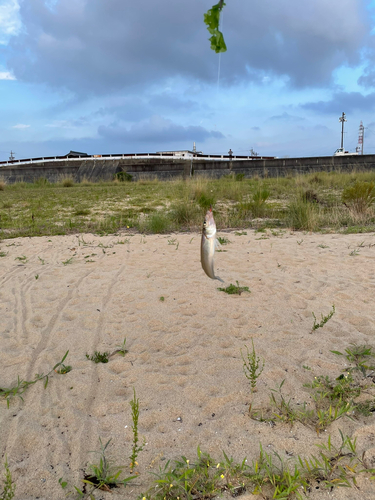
[114,76]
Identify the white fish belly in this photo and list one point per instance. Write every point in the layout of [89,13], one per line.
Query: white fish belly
[207,256]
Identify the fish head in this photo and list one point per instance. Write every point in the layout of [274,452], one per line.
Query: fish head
[209,226]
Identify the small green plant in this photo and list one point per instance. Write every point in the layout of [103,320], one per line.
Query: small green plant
[99,357]
[121,349]
[41,261]
[359,355]
[354,252]
[68,261]
[252,366]
[22,259]
[134,404]
[234,289]
[63,369]
[332,413]
[161,299]
[200,480]
[283,410]
[9,487]
[334,466]
[22,385]
[102,476]
[105,474]
[323,320]
[37,276]
[299,242]
[240,233]
[223,240]
[323,246]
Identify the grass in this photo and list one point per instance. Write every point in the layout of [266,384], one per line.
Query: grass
[99,357]
[121,349]
[234,289]
[23,385]
[9,486]
[269,475]
[223,240]
[306,202]
[331,399]
[102,476]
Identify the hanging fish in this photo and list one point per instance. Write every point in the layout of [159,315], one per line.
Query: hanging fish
[208,245]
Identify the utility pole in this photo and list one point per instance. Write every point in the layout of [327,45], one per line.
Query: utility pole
[11,157]
[342,119]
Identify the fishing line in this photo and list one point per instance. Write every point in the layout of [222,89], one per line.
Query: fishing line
[219,64]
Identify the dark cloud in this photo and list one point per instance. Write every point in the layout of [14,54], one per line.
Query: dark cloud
[98,47]
[156,131]
[286,117]
[348,102]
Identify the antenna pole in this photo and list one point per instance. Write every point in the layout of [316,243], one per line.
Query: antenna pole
[342,119]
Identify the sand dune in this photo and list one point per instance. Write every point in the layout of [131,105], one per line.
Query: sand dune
[86,293]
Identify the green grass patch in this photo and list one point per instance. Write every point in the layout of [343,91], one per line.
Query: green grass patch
[318,201]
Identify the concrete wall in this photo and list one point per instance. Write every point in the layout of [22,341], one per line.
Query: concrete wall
[169,168]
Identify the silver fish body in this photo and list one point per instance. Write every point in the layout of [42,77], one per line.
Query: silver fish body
[208,245]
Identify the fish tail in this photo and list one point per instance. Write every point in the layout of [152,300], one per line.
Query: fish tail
[218,278]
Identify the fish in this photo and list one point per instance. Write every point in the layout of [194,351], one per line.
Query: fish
[208,245]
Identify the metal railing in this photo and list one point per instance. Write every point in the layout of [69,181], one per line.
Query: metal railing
[133,156]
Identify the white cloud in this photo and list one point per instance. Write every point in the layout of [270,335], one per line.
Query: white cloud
[5,75]
[10,22]
[21,126]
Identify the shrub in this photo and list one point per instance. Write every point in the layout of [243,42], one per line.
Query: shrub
[158,223]
[68,182]
[205,200]
[2,185]
[258,203]
[123,177]
[186,214]
[41,181]
[359,197]
[302,215]
[309,196]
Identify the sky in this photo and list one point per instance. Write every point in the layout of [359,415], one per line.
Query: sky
[117,76]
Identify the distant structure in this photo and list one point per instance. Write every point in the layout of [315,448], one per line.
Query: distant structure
[342,119]
[76,154]
[11,157]
[361,136]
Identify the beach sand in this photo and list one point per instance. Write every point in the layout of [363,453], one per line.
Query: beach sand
[86,293]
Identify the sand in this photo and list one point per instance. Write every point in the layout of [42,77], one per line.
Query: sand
[86,293]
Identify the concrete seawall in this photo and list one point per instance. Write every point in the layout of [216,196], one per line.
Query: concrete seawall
[169,168]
